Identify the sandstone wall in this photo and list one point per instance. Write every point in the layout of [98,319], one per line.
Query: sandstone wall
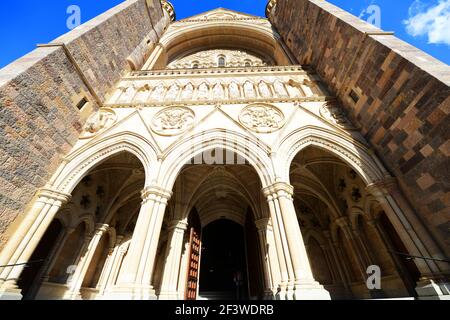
[39,93]
[404,97]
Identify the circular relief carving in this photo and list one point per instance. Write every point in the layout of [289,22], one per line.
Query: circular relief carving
[173,121]
[98,122]
[262,118]
[333,113]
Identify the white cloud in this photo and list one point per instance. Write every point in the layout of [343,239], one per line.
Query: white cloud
[431,21]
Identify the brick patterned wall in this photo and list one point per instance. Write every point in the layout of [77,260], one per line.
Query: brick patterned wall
[39,120]
[101,46]
[404,104]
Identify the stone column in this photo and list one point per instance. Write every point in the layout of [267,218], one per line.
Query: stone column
[344,224]
[174,248]
[361,242]
[25,240]
[154,57]
[401,270]
[122,249]
[135,278]
[434,283]
[91,245]
[262,225]
[305,287]
[281,249]
[182,275]
[345,280]
[112,264]
[273,260]
[56,252]
[328,259]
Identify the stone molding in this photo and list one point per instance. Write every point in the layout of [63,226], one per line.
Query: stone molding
[383,187]
[178,225]
[52,194]
[263,224]
[155,191]
[279,189]
[151,104]
[297,69]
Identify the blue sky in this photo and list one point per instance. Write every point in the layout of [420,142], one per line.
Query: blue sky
[23,24]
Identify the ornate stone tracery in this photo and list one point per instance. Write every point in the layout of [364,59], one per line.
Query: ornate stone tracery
[209,59]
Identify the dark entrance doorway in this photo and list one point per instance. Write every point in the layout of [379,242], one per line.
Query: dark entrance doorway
[223,273]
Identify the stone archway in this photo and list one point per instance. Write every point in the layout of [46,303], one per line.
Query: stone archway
[331,201]
[101,212]
[216,192]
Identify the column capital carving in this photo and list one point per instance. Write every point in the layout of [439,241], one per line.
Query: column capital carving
[382,187]
[119,239]
[100,227]
[178,225]
[279,189]
[124,248]
[53,194]
[262,224]
[373,220]
[155,191]
[70,230]
[343,222]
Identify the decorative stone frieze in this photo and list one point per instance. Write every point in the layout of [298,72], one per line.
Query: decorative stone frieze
[190,86]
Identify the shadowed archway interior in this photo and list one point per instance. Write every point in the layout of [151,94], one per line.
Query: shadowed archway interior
[224,271]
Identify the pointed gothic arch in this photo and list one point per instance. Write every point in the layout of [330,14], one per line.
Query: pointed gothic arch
[81,161]
[188,148]
[352,152]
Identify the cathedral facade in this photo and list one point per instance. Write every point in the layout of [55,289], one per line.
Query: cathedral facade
[224,156]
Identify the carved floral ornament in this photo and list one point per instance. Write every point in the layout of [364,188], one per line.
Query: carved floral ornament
[262,118]
[98,122]
[333,113]
[173,121]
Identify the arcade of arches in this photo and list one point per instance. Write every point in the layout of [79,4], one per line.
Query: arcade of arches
[220,172]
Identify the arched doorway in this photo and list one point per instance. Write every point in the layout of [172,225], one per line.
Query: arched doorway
[81,259]
[223,272]
[333,204]
[219,204]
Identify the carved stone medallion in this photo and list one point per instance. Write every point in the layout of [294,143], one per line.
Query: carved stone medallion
[98,122]
[173,121]
[333,113]
[262,118]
